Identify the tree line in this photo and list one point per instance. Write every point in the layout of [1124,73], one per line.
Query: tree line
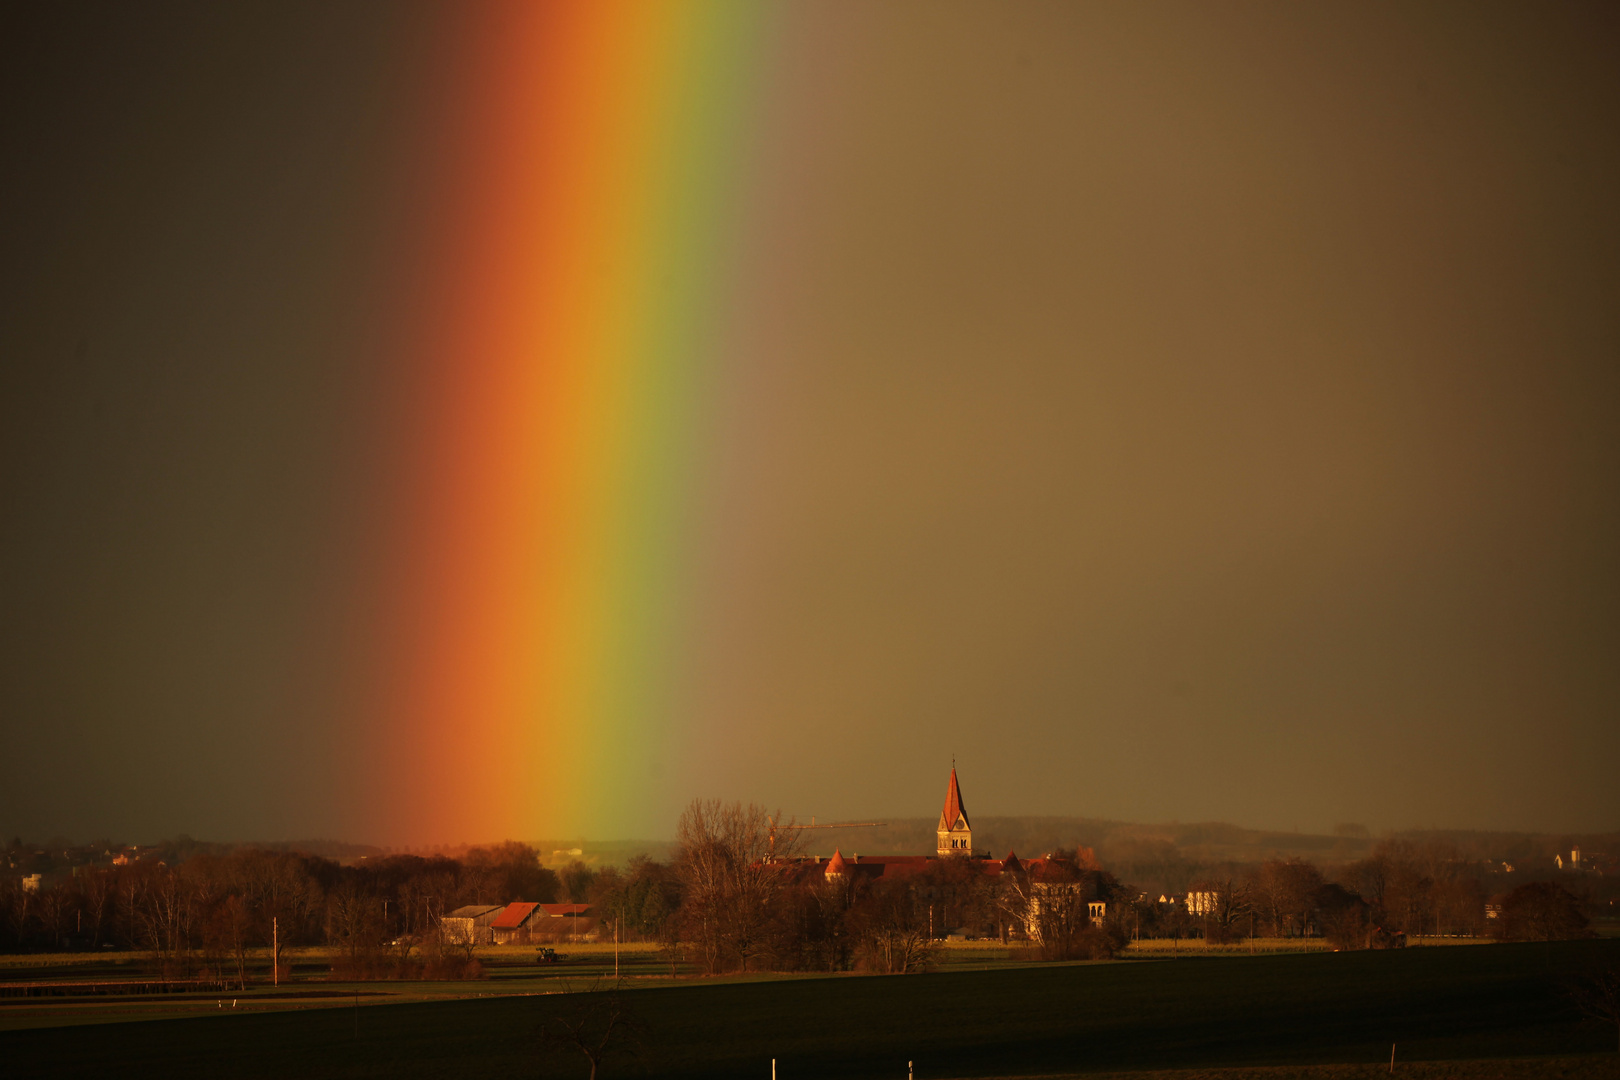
[1402,889]
[733,897]
[211,909]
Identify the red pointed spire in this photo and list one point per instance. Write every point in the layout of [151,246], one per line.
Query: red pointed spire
[954,807]
[836,864]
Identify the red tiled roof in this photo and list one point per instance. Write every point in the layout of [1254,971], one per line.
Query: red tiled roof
[557,910]
[954,807]
[513,917]
[895,866]
[875,866]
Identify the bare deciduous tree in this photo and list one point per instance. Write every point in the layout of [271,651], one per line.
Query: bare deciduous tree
[1540,911]
[1284,890]
[1597,995]
[891,929]
[729,880]
[1224,906]
[598,1024]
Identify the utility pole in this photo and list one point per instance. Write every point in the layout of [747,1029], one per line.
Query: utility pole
[616,969]
[275,951]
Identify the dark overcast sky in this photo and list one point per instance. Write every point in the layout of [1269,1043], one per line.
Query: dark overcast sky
[1199,411]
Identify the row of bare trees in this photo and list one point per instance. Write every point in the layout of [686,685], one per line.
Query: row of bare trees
[209,911]
[1402,889]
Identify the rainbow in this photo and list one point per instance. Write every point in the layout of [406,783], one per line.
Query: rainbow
[560,355]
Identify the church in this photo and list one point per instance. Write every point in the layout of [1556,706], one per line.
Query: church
[954,839]
[955,833]
[1033,878]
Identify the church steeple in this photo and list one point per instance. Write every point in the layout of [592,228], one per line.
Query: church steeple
[955,834]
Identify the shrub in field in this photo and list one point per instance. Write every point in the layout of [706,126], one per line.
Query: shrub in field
[451,969]
[361,968]
[1346,918]
[1092,943]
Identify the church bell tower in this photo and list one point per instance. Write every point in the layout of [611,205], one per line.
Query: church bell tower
[955,834]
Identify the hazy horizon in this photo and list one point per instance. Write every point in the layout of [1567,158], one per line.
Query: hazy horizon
[992,824]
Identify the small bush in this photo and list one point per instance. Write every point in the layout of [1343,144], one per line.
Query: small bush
[1348,929]
[451,969]
[1091,943]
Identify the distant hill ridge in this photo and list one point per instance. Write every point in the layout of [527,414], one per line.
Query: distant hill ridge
[1165,851]
[1201,841]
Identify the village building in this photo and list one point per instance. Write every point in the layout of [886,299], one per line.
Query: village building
[470,925]
[1203,902]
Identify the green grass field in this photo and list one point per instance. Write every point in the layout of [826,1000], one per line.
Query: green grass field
[1497,1002]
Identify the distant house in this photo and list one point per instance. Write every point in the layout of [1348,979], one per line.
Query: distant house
[1203,902]
[31,883]
[470,925]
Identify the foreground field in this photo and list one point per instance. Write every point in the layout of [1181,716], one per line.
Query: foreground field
[96,988]
[1590,1067]
[1493,1002]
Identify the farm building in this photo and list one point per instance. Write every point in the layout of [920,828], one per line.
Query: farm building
[469,925]
[522,922]
[559,922]
[511,926]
